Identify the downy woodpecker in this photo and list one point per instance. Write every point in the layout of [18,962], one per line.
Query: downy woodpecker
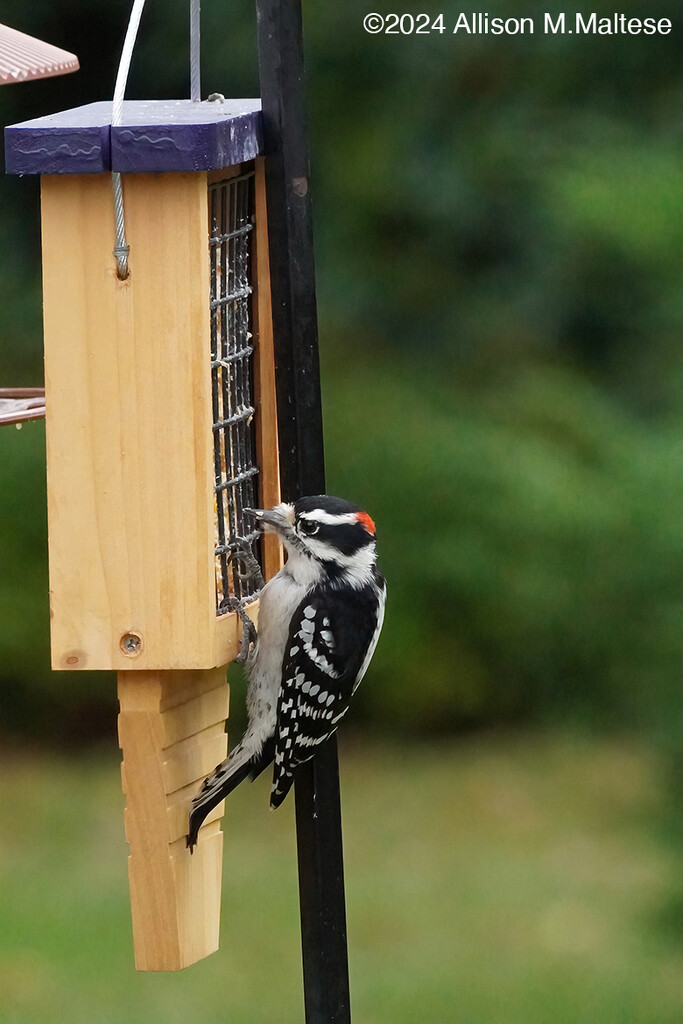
[319,621]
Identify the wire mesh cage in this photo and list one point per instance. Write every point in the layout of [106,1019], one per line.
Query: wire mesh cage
[231,223]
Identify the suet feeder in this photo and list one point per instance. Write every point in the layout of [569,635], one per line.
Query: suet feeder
[161,428]
[162,373]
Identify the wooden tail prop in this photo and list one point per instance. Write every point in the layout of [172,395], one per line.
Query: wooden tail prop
[172,734]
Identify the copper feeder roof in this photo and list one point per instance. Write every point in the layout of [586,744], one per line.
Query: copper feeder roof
[22,58]
[18,404]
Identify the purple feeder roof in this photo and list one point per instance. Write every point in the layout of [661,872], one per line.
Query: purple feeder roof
[154,136]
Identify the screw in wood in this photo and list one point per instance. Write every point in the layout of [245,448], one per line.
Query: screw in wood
[131,644]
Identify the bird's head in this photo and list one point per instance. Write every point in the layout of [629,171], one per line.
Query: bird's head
[335,534]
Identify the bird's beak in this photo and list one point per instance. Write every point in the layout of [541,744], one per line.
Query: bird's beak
[270,519]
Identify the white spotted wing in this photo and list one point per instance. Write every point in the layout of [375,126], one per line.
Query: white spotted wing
[328,651]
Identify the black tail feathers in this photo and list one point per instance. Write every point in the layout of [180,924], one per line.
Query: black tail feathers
[205,802]
[281,787]
[216,789]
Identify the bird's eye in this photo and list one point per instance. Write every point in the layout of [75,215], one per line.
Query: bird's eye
[308,528]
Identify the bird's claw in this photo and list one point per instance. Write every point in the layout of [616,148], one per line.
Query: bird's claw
[242,553]
[249,634]
[249,637]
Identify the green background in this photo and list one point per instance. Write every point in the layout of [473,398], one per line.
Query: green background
[498,237]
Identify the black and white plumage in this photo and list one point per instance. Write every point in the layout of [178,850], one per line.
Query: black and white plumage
[319,621]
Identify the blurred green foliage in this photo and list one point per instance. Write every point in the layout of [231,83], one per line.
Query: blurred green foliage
[528,534]
[498,227]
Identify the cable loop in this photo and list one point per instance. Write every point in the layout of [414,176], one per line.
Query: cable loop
[121,248]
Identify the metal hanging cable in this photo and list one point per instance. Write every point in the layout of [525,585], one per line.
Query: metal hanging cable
[121,247]
[195,73]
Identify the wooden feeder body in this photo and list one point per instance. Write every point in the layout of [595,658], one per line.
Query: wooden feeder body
[131,464]
[130,457]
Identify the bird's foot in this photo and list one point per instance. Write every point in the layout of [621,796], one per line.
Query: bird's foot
[251,569]
[249,634]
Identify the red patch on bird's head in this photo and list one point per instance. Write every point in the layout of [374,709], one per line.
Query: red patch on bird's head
[367,522]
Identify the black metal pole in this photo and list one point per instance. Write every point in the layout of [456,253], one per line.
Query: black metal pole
[302,471]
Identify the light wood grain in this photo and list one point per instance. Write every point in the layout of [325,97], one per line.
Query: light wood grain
[171,732]
[129,440]
[129,423]
[131,522]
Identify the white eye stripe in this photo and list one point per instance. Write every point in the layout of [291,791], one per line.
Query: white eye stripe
[329,518]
